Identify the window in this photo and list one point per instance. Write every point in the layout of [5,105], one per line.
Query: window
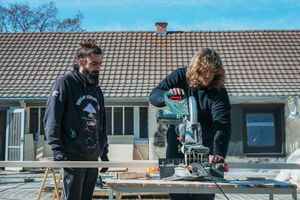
[129,121]
[36,125]
[144,122]
[108,120]
[119,120]
[126,120]
[42,114]
[263,130]
[34,120]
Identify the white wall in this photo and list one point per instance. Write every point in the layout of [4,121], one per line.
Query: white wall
[292,132]
[152,124]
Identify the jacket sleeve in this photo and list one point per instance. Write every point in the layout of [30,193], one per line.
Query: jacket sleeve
[54,113]
[102,132]
[221,123]
[176,79]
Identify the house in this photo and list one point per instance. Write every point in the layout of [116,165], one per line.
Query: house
[263,80]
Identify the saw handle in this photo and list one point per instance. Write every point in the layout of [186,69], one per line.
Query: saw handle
[222,166]
[175,97]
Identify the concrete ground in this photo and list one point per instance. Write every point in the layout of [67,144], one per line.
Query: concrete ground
[25,186]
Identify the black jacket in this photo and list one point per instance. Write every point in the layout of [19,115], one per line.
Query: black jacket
[75,118]
[213,111]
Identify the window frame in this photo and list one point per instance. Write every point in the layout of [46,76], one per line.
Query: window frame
[40,119]
[136,120]
[278,113]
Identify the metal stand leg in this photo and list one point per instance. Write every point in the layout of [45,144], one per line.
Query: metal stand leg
[118,195]
[295,194]
[110,194]
[271,196]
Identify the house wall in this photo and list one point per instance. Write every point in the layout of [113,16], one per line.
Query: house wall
[235,152]
[153,125]
[292,130]
[236,141]
[157,139]
[141,151]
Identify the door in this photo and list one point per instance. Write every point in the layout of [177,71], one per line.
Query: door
[14,135]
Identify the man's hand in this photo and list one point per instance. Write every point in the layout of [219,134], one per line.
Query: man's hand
[104,158]
[59,156]
[216,159]
[177,91]
[103,170]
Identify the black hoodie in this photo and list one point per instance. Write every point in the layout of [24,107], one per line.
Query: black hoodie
[75,118]
[213,112]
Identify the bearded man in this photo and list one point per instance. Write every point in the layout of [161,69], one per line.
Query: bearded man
[75,122]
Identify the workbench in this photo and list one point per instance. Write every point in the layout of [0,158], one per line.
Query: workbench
[269,187]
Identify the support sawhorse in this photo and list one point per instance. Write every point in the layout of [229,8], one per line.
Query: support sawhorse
[56,183]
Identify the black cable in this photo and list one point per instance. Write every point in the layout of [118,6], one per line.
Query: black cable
[214,181]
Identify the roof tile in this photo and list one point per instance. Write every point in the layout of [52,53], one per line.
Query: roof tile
[257,63]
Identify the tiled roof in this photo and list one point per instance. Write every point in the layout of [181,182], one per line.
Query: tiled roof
[257,63]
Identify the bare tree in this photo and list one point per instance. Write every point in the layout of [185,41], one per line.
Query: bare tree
[46,17]
[20,17]
[70,24]
[3,19]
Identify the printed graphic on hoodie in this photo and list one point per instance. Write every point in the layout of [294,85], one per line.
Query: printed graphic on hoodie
[88,137]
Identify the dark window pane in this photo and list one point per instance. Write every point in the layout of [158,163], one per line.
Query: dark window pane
[128,120]
[263,129]
[108,120]
[42,131]
[118,120]
[34,120]
[143,122]
[260,130]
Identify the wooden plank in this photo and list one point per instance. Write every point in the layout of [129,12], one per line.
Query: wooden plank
[103,192]
[80,164]
[131,175]
[263,165]
[113,183]
[134,163]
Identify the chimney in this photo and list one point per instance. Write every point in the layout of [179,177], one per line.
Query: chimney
[161,28]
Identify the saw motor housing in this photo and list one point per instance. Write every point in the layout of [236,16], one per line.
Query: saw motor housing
[183,113]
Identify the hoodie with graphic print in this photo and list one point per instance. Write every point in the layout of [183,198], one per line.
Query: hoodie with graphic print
[74,119]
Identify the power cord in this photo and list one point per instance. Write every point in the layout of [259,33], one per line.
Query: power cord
[214,181]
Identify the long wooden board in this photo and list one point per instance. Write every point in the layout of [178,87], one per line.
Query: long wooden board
[133,164]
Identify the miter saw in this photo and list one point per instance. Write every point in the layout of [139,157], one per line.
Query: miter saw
[182,112]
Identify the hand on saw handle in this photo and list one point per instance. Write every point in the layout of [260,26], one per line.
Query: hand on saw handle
[177,91]
[216,159]
[219,162]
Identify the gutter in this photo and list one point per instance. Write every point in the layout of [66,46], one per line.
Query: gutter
[258,100]
[126,99]
[20,102]
[233,99]
[23,98]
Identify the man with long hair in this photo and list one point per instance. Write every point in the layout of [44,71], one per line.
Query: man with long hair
[204,79]
[75,121]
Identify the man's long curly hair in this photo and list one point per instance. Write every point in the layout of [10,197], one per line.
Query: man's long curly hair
[206,59]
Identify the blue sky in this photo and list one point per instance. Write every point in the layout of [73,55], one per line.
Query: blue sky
[181,15]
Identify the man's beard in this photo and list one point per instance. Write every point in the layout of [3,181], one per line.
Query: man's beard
[91,77]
